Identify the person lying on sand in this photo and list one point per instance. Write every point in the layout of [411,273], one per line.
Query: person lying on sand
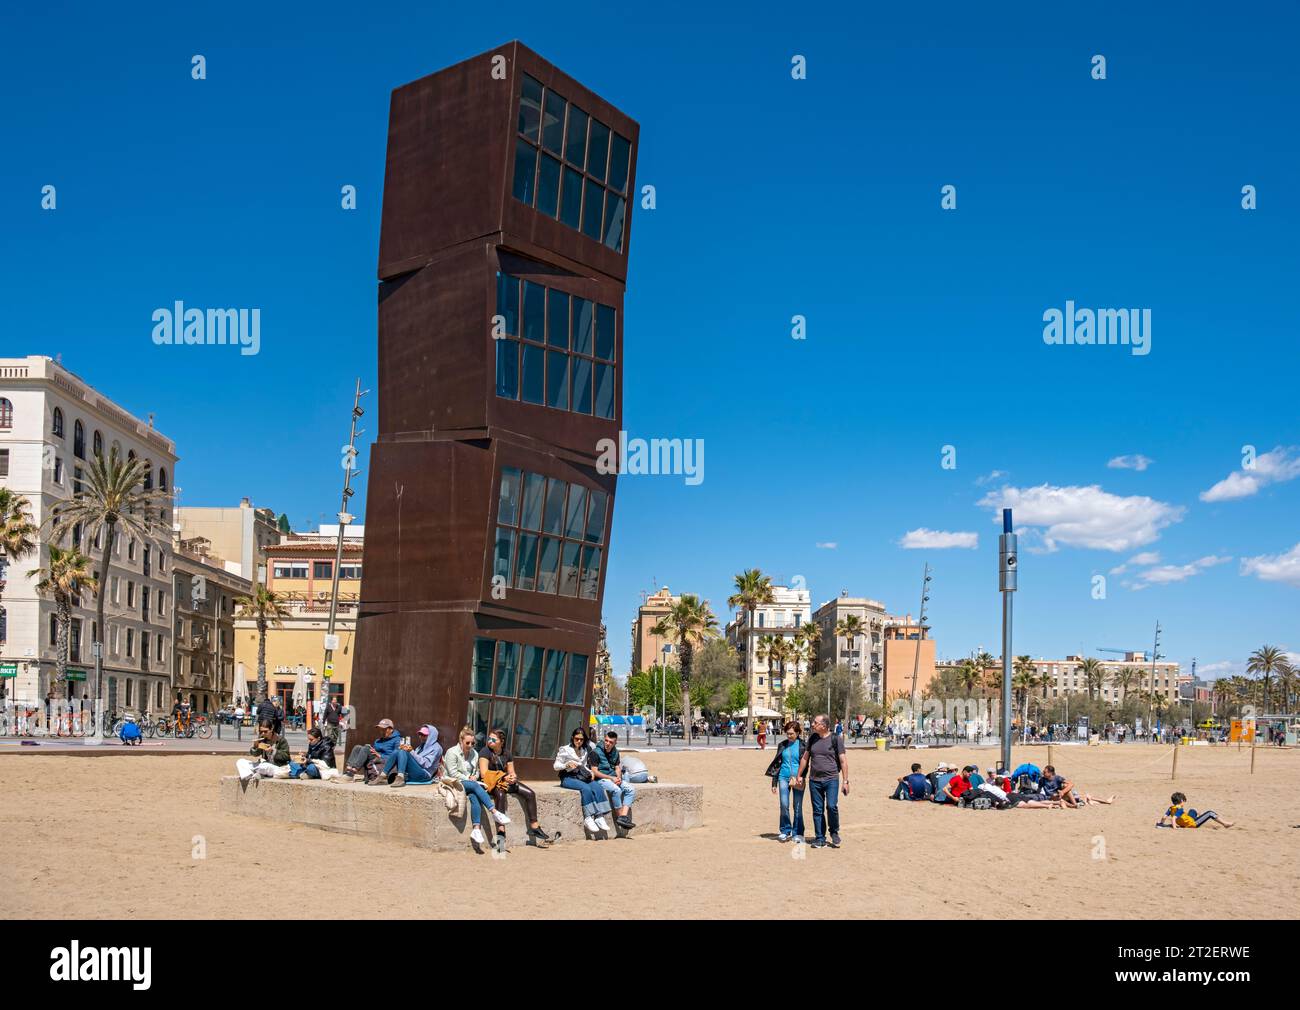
[1184,817]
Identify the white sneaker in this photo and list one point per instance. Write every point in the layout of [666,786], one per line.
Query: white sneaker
[600,823]
[477,835]
[590,824]
[782,837]
[499,817]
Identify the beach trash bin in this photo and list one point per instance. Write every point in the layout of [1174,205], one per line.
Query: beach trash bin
[880,743]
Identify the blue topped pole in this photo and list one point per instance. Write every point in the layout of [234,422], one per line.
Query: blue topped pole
[1007,570]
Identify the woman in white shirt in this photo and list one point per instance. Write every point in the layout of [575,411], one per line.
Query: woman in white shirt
[461,764]
[571,762]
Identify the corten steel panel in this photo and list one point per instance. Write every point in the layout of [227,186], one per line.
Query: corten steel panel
[450,163]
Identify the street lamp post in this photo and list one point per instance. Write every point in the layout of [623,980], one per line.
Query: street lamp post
[663,687]
[1007,583]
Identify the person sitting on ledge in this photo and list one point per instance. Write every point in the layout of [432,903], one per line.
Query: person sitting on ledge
[497,770]
[462,765]
[385,744]
[573,764]
[271,752]
[607,771]
[318,749]
[915,786]
[416,762]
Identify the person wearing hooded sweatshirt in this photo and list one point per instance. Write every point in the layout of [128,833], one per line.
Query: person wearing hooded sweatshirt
[318,749]
[416,762]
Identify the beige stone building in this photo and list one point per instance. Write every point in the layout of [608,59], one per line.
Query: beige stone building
[904,638]
[206,590]
[647,647]
[1065,676]
[865,654]
[300,570]
[239,535]
[788,611]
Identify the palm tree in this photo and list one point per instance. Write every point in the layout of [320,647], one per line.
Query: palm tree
[970,675]
[849,627]
[812,636]
[690,622]
[111,499]
[1124,678]
[18,536]
[68,574]
[753,590]
[1093,676]
[1286,684]
[1266,662]
[268,609]
[1023,680]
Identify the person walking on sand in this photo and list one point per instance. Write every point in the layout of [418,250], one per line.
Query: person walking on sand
[762,734]
[821,766]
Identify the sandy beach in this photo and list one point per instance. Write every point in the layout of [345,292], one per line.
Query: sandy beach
[114,836]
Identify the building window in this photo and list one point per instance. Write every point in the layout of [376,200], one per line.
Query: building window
[148,475]
[58,470]
[56,425]
[6,413]
[144,650]
[78,440]
[291,570]
[97,443]
[557,349]
[4,462]
[322,569]
[162,478]
[549,535]
[570,166]
[77,485]
[130,549]
[534,695]
[130,642]
[130,596]
[347,571]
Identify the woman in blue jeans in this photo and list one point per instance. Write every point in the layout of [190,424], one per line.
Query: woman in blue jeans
[571,762]
[461,764]
[782,771]
[416,762]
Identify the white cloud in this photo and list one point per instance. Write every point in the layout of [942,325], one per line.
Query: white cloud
[1086,516]
[990,477]
[1275,467]
[1138,561]
[827,545]
[922,539]
[1165,574]
[1283,567]
[1135,462]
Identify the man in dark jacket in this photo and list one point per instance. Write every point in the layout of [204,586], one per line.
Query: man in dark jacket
[385,744]
[267,712]
[330,717]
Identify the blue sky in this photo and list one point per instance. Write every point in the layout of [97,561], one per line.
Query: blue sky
[775,197]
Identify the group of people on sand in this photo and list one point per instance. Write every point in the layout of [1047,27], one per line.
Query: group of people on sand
[1026,787]
[487,778]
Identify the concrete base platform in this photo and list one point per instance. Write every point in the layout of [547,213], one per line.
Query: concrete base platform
[416,815]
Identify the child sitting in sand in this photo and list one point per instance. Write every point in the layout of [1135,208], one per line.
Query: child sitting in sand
[1183,817]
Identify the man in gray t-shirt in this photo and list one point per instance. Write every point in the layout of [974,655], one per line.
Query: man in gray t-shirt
[823,762]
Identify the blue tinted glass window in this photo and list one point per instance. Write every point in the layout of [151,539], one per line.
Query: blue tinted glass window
[557,380]
[534,491]
[598,150]
[553,123]
[480,681]
[507,668]
[604,390]
[507,369]
[548,732]
[596,517]
[553,678]
[503,556]
[570,567]
[508,504]
[548,187]
[620,151]
[581,385]
[582,322]
[526,568]
[590,572]
[575,691]
[534,312]
[615,207]
[575,137]
[553,517]
[534,376]
[530,108]
[605,332]
[557,318]
[593,205]
[548,565]
[576,520]
[525,165]
[522,739]
[508,302]
[571,199]
[530,673]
